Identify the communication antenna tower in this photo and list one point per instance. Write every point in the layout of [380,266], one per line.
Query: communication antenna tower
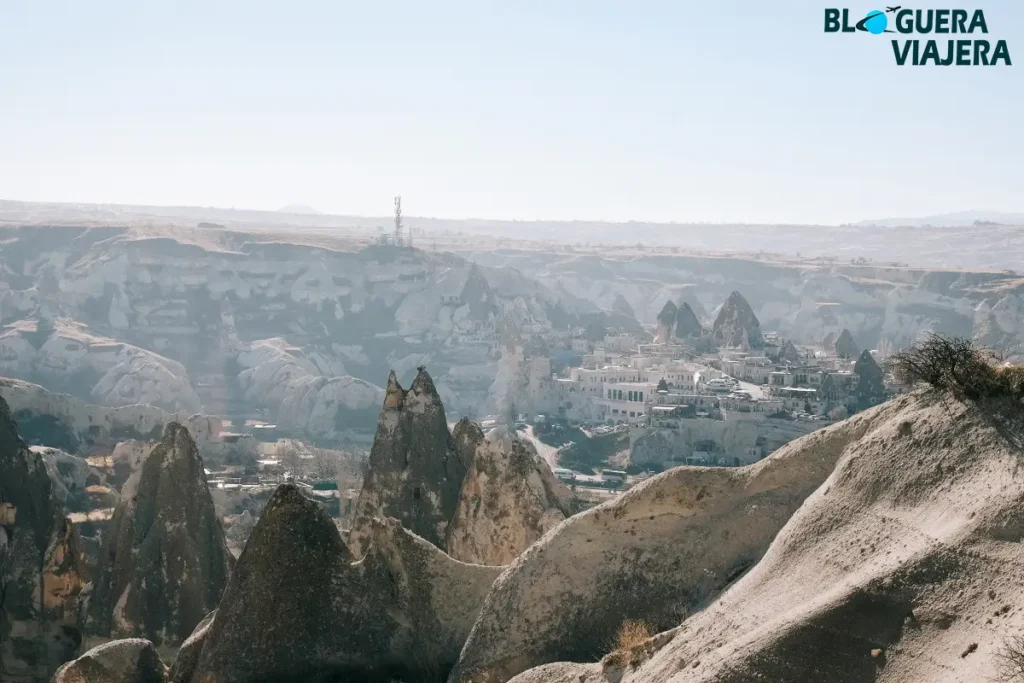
[398,221]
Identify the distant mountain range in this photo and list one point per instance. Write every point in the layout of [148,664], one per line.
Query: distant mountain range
[299,208]
[988,239]
[949,220]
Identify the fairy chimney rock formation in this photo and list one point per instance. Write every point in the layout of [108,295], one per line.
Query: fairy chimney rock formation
[736,324]
[415,471]
[510,498]
[166,561]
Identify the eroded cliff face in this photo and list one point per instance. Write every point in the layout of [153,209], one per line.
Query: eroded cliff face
[509,499]
[41,568]
[880,305]
[61,421]
[64,356]
[166,561]
[234,309]
[415,469]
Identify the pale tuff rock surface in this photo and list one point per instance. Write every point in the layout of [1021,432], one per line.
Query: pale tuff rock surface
[305,392]
[415,472]
[509,499]
[1000,325]
[208,298]
[523,377]
[127,458]
[71,476]
[62,421]
[166,562]
[657,553]
[65,356]
[298,606]
[132,660]
[41,568]
[905,565]
[736,323]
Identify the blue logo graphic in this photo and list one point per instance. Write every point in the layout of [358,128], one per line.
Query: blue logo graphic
[875,22]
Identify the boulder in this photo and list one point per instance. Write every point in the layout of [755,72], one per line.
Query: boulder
[736,323]
[415,472]
[298,607]
[657,553]
[133,660]
[187,658]
[41,567]
[905,565]
[509,499]
[165,562]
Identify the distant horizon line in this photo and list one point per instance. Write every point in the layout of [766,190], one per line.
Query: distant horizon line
[321,215]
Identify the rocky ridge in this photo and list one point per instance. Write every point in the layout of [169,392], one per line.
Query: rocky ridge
[662,550]
[887,573]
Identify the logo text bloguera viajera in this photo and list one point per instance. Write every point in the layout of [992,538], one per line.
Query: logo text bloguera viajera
[960,51]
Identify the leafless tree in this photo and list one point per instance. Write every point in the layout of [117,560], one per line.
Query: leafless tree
[955,365]
[326,463]
[291,459]
[1010,661]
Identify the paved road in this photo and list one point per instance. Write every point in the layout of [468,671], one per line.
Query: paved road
[549,453]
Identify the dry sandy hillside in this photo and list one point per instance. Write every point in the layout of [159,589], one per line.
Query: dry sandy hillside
[905,565]
[661,551]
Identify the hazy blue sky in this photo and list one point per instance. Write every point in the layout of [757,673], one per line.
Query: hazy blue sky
[667,111]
